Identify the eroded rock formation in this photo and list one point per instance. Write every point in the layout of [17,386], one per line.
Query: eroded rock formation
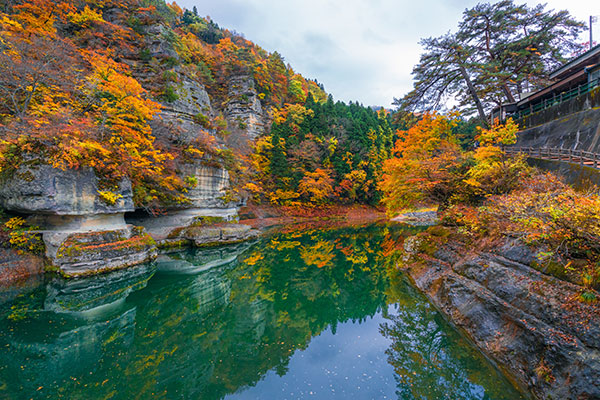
[530,323]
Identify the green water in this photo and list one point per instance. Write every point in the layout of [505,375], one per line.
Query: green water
[313,314]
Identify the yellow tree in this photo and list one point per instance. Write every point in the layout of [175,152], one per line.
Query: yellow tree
[494,172]
[123,114]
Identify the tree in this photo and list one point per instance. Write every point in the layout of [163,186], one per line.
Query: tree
[316,186]
[494,172]
[443,71]
[30,63]
[425,169]
[499,50]
[517,45]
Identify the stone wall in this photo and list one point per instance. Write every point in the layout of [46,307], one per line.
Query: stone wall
[578,131]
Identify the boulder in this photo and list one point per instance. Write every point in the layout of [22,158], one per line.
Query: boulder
[214,235]
[88,253]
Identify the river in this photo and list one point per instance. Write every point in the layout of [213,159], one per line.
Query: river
[317,314]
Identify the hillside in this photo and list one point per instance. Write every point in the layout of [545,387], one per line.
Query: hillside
[141,90]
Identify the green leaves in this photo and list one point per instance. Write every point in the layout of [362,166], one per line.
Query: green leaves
[499,51]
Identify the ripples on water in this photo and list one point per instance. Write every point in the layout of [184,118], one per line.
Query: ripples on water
[312,314]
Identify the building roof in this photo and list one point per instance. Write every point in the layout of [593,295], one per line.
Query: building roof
[589,57]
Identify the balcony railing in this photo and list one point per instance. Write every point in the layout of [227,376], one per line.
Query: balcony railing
[558,99]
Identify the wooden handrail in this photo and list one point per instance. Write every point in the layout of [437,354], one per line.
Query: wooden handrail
[580,157]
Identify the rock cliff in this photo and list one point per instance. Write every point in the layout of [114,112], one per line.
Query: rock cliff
[531,324]
[84,234]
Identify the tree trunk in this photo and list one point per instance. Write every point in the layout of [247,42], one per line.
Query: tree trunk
[467,79]
[508,93]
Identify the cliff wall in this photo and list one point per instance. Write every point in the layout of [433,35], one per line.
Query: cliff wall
[531,324]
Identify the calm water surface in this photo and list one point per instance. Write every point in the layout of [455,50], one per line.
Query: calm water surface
[314,314]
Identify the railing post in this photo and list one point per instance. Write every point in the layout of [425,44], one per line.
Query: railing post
[570,155]
[595,160]
[580,157]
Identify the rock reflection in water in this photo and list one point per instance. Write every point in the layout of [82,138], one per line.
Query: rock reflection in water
[95,296]
[64,332]
[433,361]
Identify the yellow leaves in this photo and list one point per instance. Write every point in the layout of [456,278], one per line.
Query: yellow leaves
[293,114]
[9,24]
[85,17]
[332,145]
[253,259]
[286,245]
[109,197]
[282,196]
[14,223]
[194,152]
[499,134]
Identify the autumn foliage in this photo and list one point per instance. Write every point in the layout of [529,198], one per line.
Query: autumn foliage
[79,88]
[487,195]
[426,166]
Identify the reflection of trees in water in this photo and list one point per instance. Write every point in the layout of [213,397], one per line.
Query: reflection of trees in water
[212,322]
[432,361]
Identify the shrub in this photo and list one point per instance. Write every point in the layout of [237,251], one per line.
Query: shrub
[169,94]
[22,237]
[109,197]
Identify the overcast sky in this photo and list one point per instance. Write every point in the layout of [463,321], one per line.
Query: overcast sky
[361,50]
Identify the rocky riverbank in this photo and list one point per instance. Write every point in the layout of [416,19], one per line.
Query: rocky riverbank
[533,325]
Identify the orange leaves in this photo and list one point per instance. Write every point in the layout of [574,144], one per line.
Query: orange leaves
[320,254]
[427,137]
[37,17]
[421,171]
[316,186]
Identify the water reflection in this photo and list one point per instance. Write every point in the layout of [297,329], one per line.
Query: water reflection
[238,322]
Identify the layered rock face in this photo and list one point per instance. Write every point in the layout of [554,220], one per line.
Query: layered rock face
[209,199]
[212,186]
[245,116]
[530,323]
[42,189]
[82,233]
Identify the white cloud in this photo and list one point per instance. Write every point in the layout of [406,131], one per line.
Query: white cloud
[359,49]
